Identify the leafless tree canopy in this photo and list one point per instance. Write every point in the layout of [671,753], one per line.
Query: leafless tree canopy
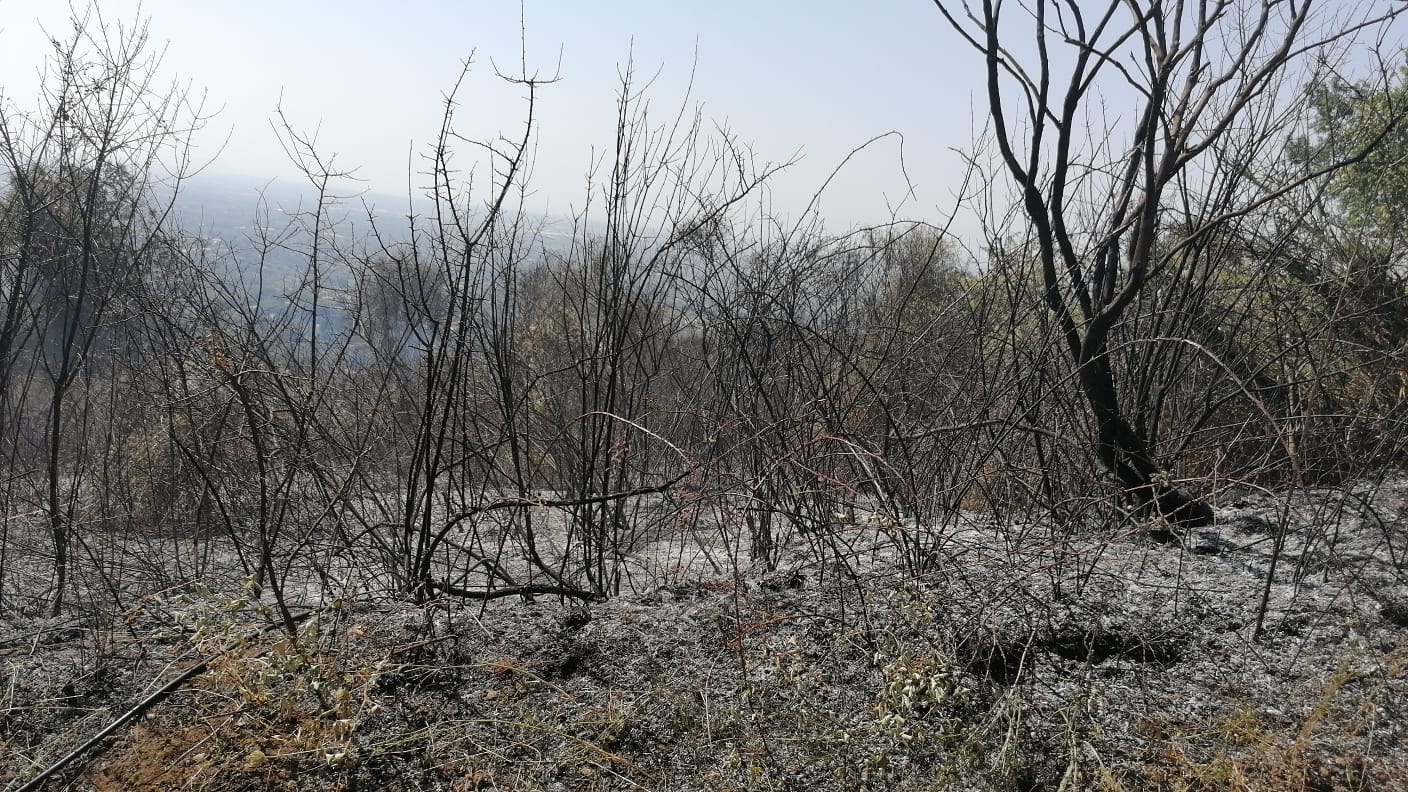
[480,403]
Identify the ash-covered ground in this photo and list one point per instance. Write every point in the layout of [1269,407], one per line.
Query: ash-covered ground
[1028,655]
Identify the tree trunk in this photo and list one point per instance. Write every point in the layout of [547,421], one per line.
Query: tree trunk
[1126,454]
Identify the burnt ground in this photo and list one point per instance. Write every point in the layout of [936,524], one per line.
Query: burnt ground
[1030,656]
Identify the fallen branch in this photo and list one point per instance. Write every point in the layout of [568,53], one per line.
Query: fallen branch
[161,694]
[515,502]
[512,591]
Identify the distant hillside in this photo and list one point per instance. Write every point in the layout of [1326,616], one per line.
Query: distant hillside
[232,208]
[259,230]
[246,221]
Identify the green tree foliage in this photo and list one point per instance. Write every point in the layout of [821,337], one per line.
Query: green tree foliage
[1362,122]
[1354,257]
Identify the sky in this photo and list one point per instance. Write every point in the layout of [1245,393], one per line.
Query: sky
[807,80]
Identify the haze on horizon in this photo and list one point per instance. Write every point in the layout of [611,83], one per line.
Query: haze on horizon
[809,82]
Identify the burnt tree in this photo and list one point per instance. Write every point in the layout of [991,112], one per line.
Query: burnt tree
[1134,133]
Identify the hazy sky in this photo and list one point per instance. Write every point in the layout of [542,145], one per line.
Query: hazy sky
[814,78]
